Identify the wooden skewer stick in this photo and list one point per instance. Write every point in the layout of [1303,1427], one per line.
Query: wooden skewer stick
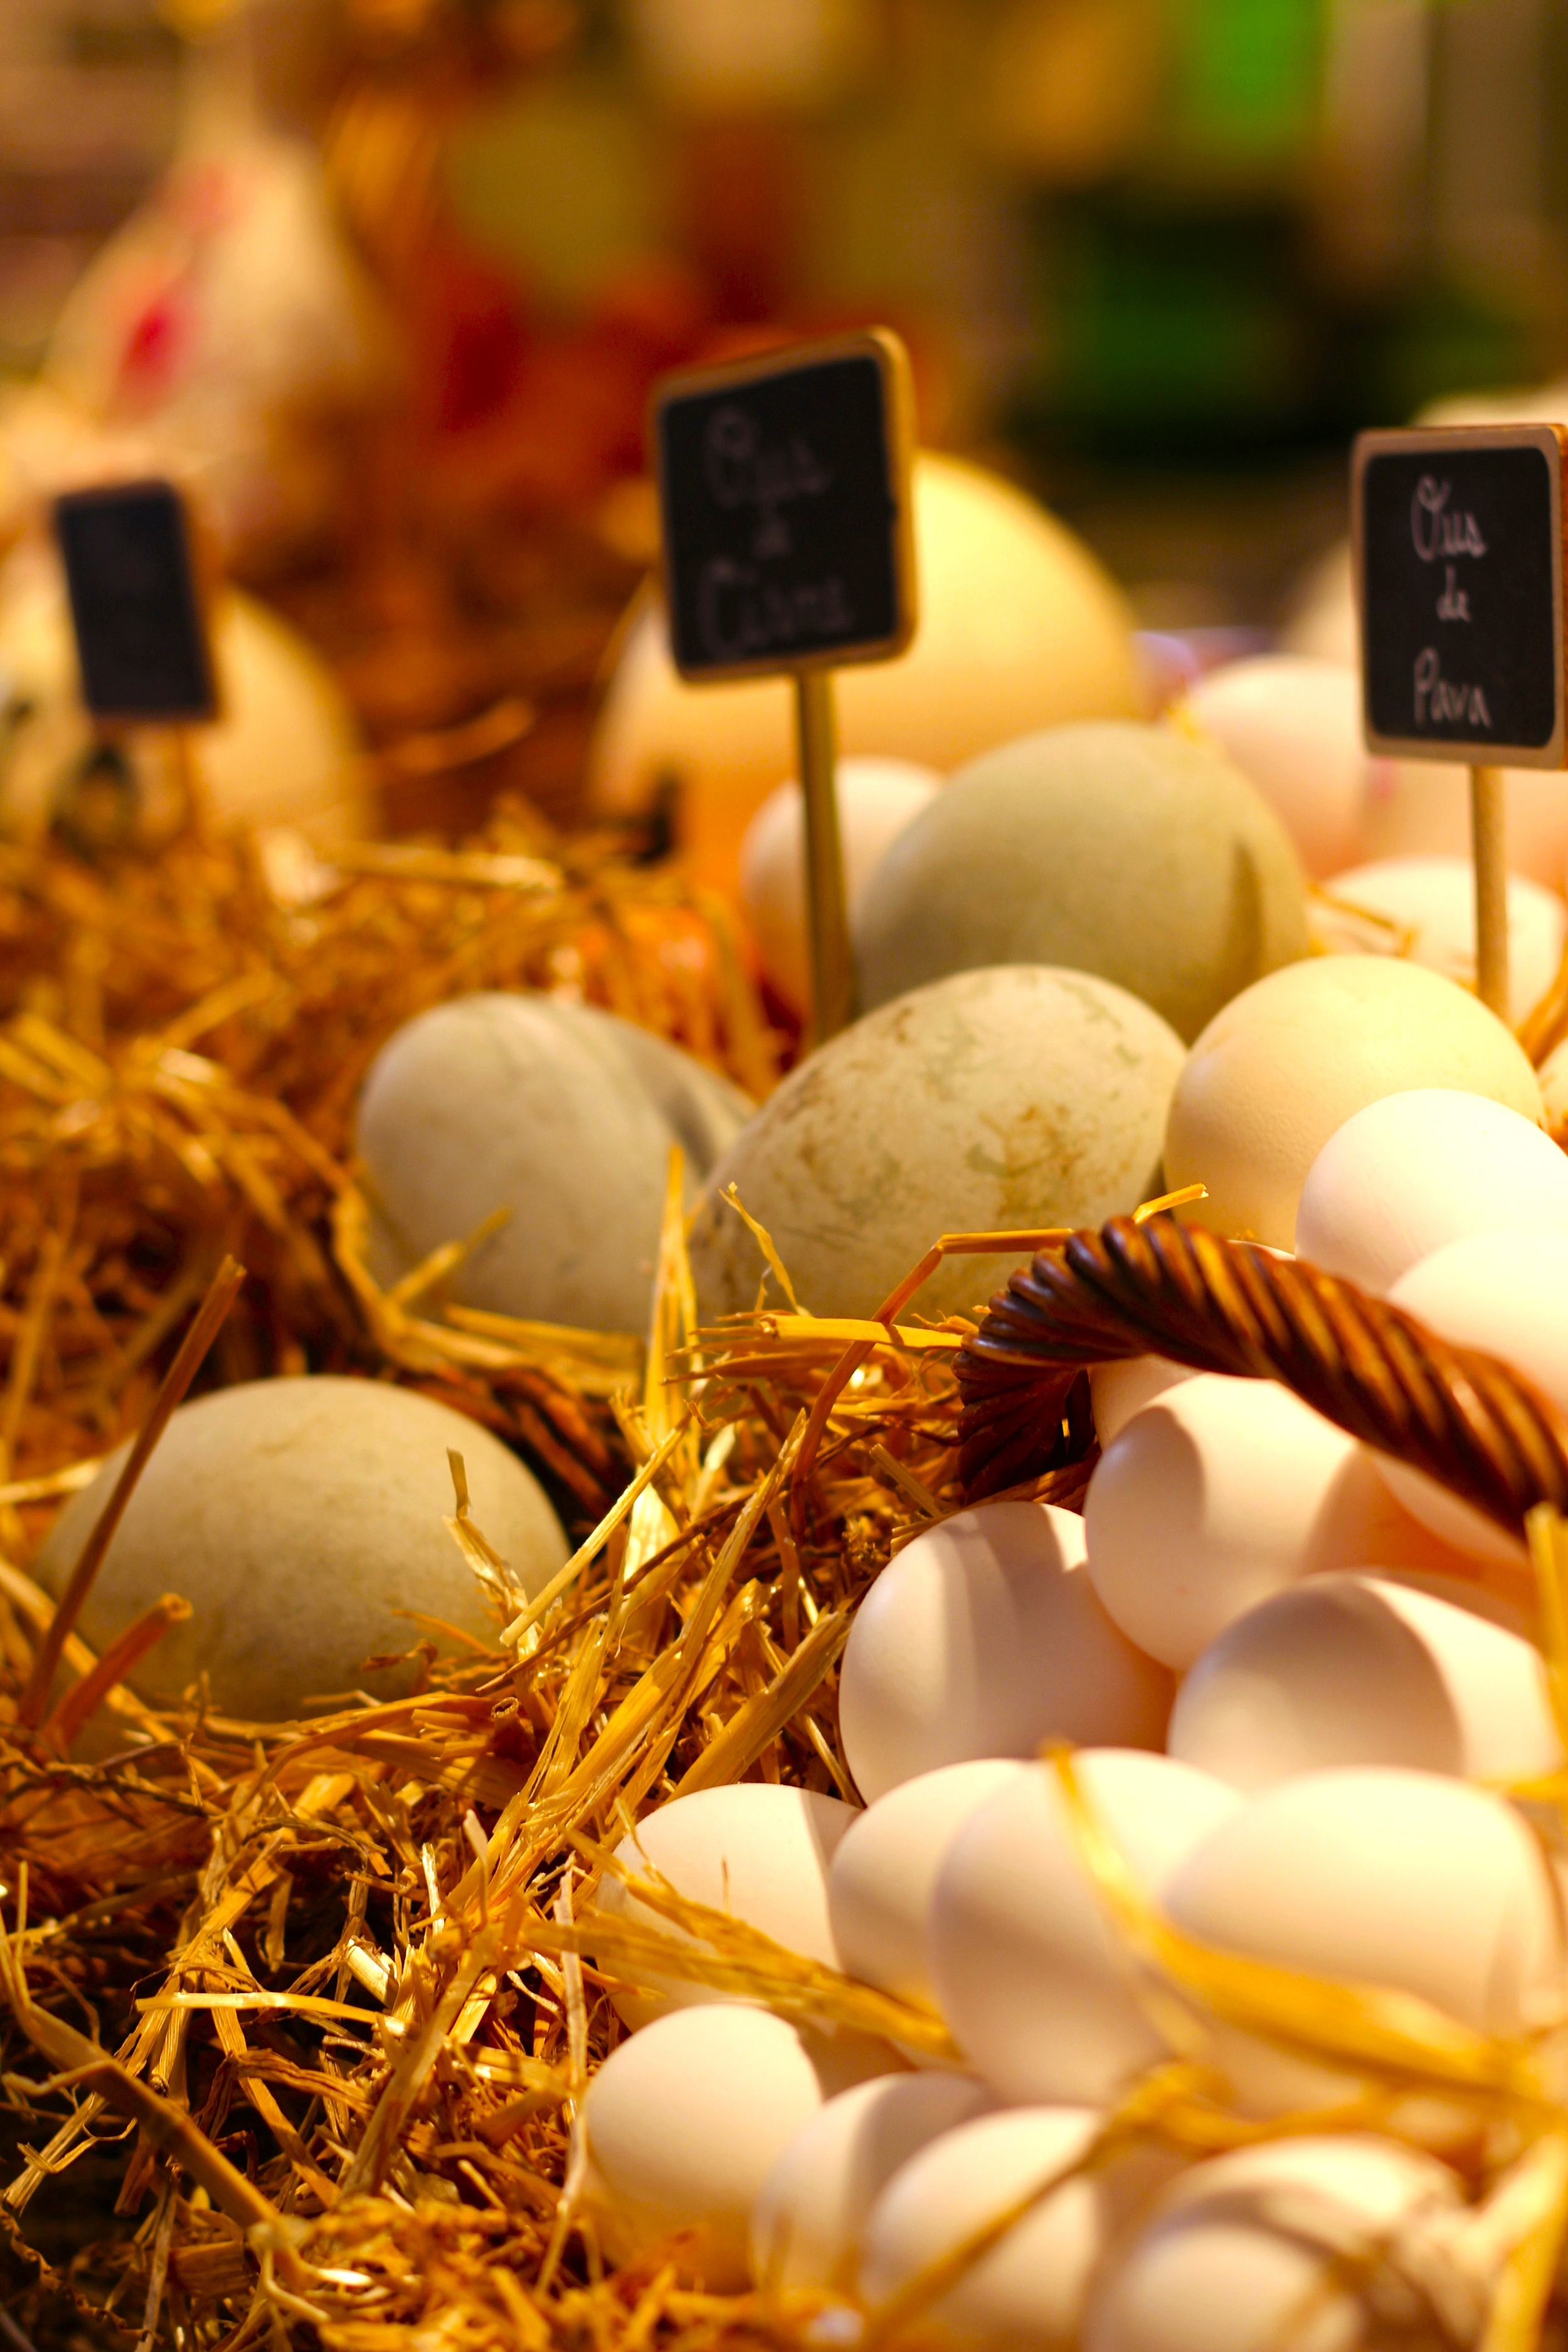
[832,958]
[1486,840]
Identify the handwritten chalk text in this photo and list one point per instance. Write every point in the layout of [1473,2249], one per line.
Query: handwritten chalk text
[1438,700]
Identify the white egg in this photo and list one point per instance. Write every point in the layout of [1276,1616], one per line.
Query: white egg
[1373,1875]
[684,2122]
[877,798]
[1288,1061]
[884,1872]
[300,1518]
[562,1116]
[1026,2293]
[807,2224]
[1120,1390]
[1350,1669]
[1287,2247]
[754,1848]
[1207,1502]
[1033,1980]
[1294,726]
[1408,1173]
[983,1638]
[1020,627]
[1505,1293]
[1433,899]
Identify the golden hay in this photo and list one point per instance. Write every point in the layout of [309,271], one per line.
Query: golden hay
[297,2016]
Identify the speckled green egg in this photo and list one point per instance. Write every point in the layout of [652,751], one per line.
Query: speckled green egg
[990,1101]
[1109,848]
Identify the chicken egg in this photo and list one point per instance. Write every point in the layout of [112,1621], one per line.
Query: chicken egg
[806,2224]
[884,1872]
[1034,1982]
[1349,1669]
[982,1637]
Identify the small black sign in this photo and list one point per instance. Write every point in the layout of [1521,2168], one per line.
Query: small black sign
[1460,567]
[141,643]
[784,485]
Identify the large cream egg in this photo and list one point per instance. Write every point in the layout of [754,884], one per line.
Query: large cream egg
[1355,1669]
[1109,848]
[1222,1492]
[1433,900]
[1019,627]
[561,1116]
[1374,1875]
[1413,1171]
[752,1848]
[302,1518]
[983,1637]
[992,1101]
[1290,2246]
[284,751]
[1287,1062]
[684,2122]
[1033,1979]
[1294,726]
[1508,1294]
[884,1872]
[877,798]
[1026,2293]
[806,2224]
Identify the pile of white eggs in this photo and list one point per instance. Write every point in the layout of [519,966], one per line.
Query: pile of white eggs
[1299,1679]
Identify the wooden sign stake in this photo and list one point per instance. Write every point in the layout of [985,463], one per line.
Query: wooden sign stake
[1490,854]
[788,549]
[833,985]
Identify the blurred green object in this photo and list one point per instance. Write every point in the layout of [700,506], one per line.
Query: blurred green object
[1246,80]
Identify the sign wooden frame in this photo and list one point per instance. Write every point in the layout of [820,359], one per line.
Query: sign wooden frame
[1416,442]
[690,384]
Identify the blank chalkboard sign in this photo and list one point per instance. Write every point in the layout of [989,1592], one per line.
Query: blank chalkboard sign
[784,489]
[1458,538]
[141,641]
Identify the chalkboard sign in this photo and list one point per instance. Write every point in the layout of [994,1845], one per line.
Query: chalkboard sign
[141,643]
[1458,538]
[783,488]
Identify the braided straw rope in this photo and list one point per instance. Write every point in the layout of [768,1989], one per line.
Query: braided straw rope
[1167,1288]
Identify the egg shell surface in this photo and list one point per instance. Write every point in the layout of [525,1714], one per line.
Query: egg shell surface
[1373,1875]
[983,1637]
[562,1115]
[1434,901]
[1421,808]
[1027,2292]
[1263,2250]
[1293,726]
[1019,627]
[997,1100]
[807,2224]
[884,1871]
[1505,1293]
[1109,848]
[1218,1494]
[296,1517]
[877,798]
[1120,1390]
[1355,1669]
[1284,1066]
[684,2122]
[1031,1977]
[753,1848]
[1413,1171]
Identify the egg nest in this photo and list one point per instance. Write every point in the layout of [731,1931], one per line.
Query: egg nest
[296,2017]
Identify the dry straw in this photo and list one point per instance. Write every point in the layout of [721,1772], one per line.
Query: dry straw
[298,2017]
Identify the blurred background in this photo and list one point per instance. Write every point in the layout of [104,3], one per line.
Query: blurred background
[388,281]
